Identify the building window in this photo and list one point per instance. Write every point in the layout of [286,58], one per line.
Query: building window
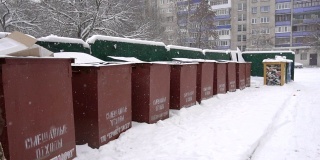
[303,56]
[242,17]
[254,9]
[242,6]
[254,1]
[242,27]
[242,38]
[283,29]
[280,6]
[222,12]
[265,31]
[280,41]
[223,22]
[264,20]
[253,20]
[223,32]
[162,1]
[222,43]
[281,18]
[264,8]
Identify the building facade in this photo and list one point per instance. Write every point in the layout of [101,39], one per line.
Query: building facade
[258,25]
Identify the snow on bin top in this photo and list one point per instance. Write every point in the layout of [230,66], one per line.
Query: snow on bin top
[278,59]
[261,52]
[127,59]
[215,51]
[193,60]
[54,38]
[4,34]
[168,47]
[79,57]
[126,40]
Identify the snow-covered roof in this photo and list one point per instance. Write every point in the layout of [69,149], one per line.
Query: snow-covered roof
[182,48]
[193,60]
[259,52]
[120,39]
[54,38]
[79,57]
[215,51]
[277,60]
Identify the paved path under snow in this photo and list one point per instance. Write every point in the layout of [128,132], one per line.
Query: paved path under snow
[258,123]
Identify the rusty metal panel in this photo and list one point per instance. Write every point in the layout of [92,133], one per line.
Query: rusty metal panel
[248,74]
[36,104]
[220,78]
[102,103]
[204,80]
[231,77]
[241,76]
[183,86]
[150,92]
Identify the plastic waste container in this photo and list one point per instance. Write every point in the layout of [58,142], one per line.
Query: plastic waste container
[150,92]
[220,78]
[102,102]
[36,105]
[241,76]
[183,84]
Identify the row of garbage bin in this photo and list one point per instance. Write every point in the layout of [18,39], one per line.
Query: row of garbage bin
[48,105]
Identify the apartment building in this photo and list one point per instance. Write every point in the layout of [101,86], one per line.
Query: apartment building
[168,16]
[223,20]
[256,25]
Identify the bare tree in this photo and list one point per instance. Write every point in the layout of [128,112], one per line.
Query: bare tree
[83,18]
[20,15]
[204,27]
[196,24]
[314,37]
[260,40]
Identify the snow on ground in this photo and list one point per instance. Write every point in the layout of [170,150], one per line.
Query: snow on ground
[258,123]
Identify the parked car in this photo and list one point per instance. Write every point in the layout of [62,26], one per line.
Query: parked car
[298,65]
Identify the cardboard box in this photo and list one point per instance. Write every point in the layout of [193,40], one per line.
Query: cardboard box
[19,44]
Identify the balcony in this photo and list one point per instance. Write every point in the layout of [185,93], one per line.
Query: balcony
[283,11]
[306,9]
[305,21]
[281,1]
[283,23]
[224,27]
[301,33]
[283,45]
[223,47]
[186,2]
[222,17]
[286,34]
[298,44]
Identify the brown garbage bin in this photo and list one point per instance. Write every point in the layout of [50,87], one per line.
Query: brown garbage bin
[205,80]
[231,76]
[36,104]
[102,102]
[248,74]
[183,84]
[241,76]
[150,92]
[220,78]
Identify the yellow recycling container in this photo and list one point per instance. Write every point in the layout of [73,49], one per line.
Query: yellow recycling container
[274,72]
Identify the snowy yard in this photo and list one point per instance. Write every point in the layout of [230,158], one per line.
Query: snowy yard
[258,123]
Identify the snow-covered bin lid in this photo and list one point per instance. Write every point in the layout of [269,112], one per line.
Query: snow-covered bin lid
[215,51]
[262,52]
[54,38]
[277,60]
[79,57]
[169,47]
[193,60]
[126,40]
[4,34]
[174,62]
[127,59]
